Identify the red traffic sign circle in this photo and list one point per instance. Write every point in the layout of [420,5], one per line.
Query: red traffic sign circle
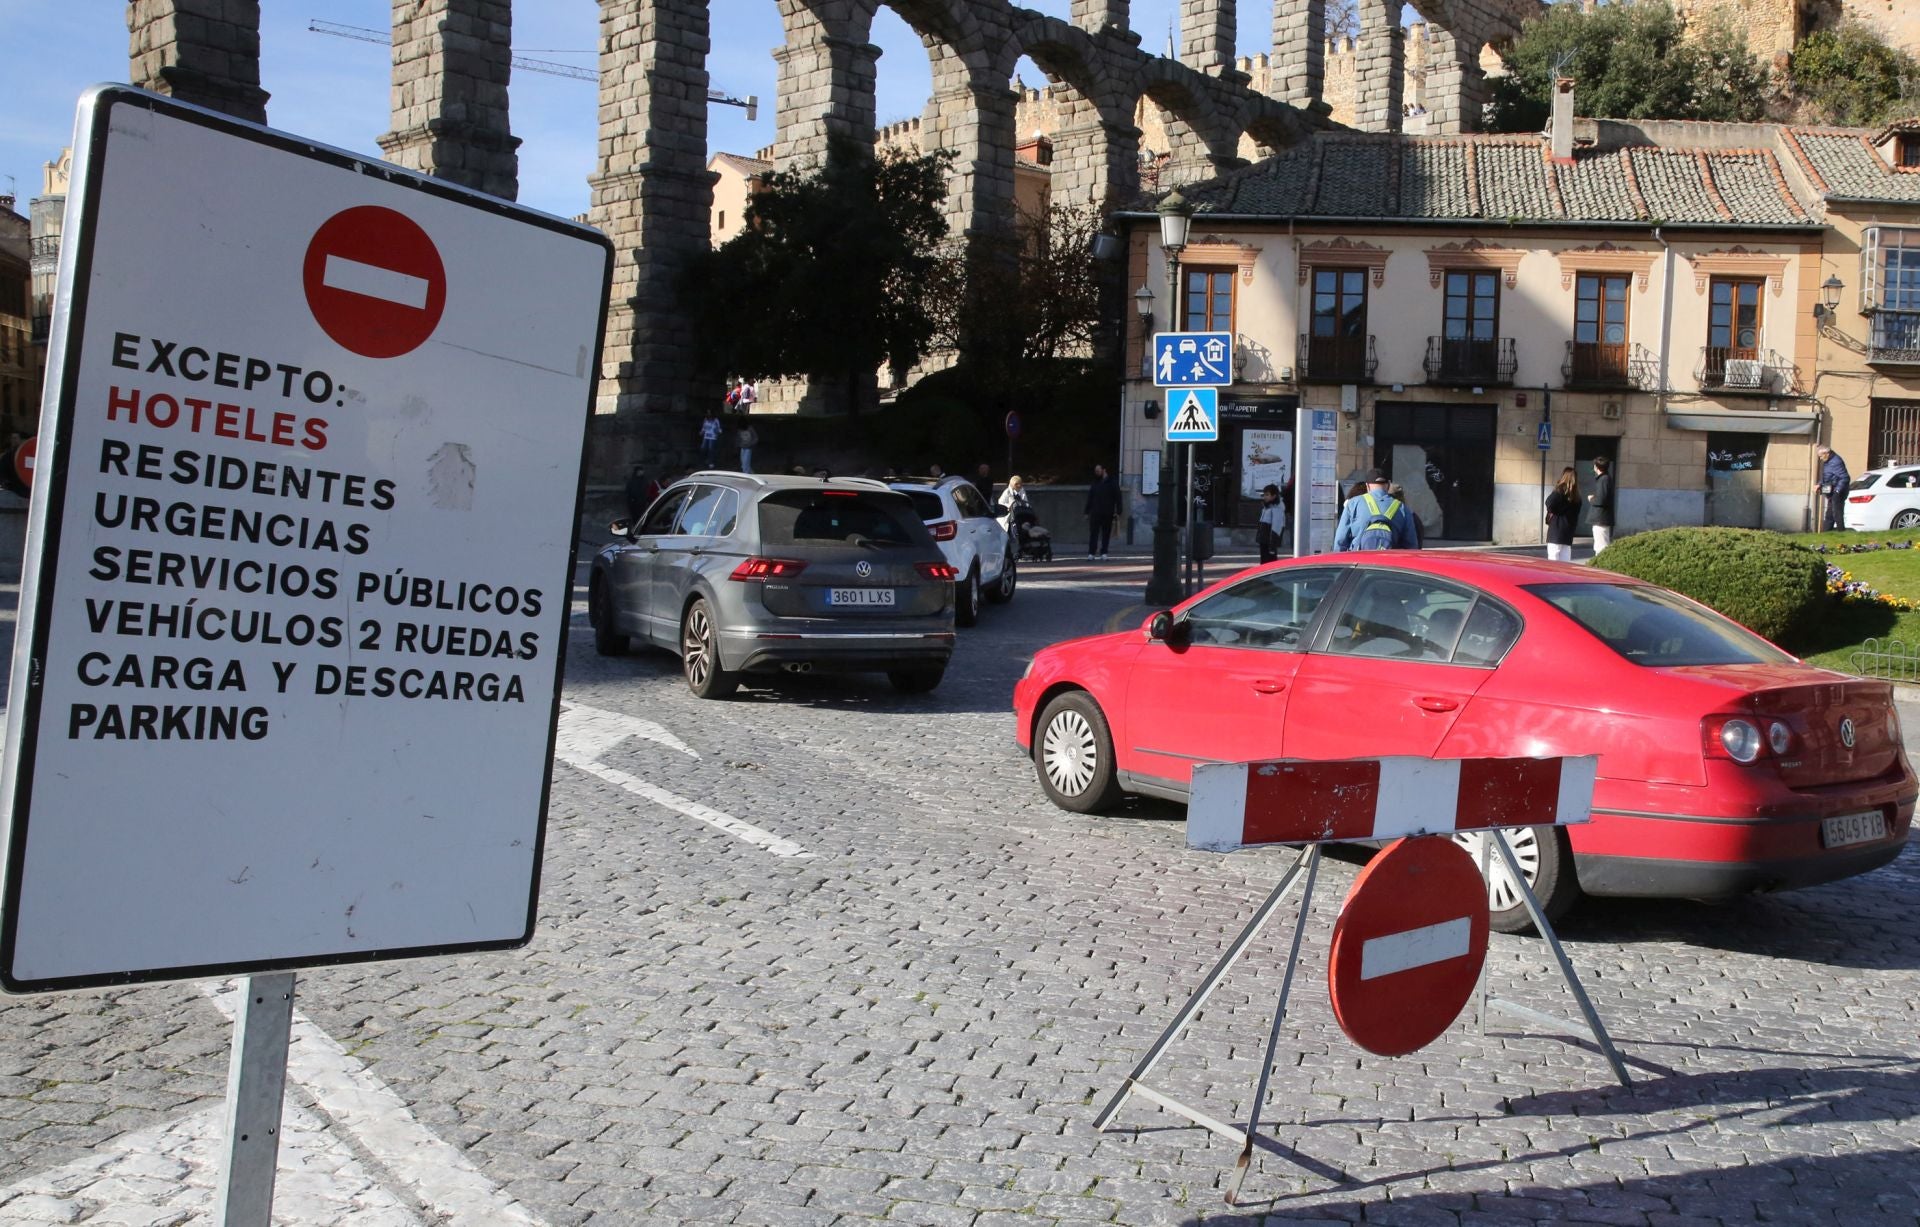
[1408,946]
[23,460]
[374,281]
[1013,424]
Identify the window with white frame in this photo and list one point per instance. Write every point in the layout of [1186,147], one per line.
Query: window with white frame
[1890,269]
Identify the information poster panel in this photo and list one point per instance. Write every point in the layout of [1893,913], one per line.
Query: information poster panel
[299,559]
[1324,455]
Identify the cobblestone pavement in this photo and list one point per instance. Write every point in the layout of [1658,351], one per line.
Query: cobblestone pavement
[825,953]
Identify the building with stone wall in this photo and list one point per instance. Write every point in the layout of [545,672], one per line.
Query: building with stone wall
[1773,27]
[21,365]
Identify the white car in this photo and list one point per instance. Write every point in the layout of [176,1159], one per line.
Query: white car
[968,530]
[1883,499]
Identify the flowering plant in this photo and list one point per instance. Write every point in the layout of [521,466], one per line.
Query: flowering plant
[1842,585]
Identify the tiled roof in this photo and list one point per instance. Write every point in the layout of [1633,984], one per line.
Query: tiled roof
[1843,163]
[744,165]
[1502,178]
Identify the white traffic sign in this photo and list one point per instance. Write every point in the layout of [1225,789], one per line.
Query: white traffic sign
[1192,359]
[1193,415]
[299,559]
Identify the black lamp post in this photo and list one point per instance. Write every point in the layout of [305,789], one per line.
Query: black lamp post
[1829,298]
[1164,588]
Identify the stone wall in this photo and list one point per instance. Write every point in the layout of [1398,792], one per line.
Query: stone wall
[1774,26]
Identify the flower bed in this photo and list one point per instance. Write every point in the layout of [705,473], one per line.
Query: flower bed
[1843,586]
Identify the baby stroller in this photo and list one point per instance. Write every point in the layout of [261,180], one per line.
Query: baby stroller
[1032,541]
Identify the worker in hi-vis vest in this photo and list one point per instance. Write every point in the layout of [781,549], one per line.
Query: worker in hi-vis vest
[1375,520]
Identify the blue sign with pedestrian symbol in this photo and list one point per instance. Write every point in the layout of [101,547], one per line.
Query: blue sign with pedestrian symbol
[1193,415]
[1192,359]
[1546,436]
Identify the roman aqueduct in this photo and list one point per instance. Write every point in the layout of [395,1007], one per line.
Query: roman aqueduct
[651,190]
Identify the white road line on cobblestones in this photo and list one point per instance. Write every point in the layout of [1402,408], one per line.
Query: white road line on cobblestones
[592,732]
[586,733]
[438,1173]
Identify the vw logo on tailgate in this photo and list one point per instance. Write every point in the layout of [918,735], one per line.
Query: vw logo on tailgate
[864,568]
[1846,732]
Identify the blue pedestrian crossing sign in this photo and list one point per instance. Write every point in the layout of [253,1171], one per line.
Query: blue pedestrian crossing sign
[1546,436]
[1193,415]
[1192,359]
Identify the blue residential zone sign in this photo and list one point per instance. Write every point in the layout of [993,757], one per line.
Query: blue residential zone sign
[1546,436]
[1192,359]
[1193,415]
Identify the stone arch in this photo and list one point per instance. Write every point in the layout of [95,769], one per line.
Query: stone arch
[1198,140]
[1095,141]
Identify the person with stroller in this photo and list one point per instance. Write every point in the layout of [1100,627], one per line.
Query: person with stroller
[1030,540]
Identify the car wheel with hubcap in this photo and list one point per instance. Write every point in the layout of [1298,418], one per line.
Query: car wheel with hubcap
[1545,861]
[700,655]
[1906,519]
[1073,754]
[918,680]
[606,640]
[966,597]
[1002,590]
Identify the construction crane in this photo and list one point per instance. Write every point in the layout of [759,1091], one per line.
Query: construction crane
[751,103]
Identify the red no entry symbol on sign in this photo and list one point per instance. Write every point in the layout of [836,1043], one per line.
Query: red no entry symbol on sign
[23,458]
[374,281]
[1408,945]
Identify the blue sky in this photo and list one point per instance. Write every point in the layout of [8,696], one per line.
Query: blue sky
[335,90]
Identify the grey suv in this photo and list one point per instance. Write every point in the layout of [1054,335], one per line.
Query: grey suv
[740,573]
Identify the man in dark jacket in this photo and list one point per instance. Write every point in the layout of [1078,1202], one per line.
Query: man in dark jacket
[1103,504]
[1835,482]
[1600,504]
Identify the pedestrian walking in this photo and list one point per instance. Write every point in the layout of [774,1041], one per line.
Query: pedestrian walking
[1563,508]
[1835,482]
[1375,520]
[1103,504]
[983,480]
[1014,496]
[744,395]
[709,436]
[1273,522]
[1600,504]
[747,438]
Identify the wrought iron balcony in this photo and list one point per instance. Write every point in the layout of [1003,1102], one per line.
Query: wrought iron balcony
[1756,372]
[1336,359]
[1591,364]
[1466,360]
[1895,338]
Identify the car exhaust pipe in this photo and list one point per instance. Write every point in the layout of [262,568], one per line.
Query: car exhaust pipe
[798,666]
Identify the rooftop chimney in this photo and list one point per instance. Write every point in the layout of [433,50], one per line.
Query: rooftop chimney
[1560,127]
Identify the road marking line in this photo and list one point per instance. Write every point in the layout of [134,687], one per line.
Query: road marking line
[442,1177]
[585,733]
[590,732]
[373,281]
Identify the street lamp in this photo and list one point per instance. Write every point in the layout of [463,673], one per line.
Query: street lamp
[1176,215]
[1143,305]
[1829,297]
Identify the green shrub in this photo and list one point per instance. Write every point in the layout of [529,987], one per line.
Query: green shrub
[1759,579]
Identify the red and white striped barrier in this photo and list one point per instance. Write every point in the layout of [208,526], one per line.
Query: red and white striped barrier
[1296,801]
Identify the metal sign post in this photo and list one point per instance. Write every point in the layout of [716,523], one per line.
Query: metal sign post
[256,1094]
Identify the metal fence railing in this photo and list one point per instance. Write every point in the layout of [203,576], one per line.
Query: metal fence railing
[1890,659]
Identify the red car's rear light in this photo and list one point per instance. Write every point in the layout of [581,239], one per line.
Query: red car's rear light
[1860,498]
[945,530]
[936,570]
[1744,739]
[767,568]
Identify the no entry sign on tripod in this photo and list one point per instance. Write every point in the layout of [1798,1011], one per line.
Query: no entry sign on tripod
[1410,941]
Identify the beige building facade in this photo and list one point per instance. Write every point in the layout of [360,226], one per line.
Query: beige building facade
[1477,313]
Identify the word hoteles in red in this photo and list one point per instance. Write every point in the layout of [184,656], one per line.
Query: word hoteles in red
[1296,801]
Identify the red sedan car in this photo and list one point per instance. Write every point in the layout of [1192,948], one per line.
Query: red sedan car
[1726,765]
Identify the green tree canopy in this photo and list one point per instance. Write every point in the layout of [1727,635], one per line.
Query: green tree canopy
[1631,61]
[1847,75]
[827,279]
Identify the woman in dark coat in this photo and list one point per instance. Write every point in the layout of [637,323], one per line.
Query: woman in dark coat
[1563,508]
